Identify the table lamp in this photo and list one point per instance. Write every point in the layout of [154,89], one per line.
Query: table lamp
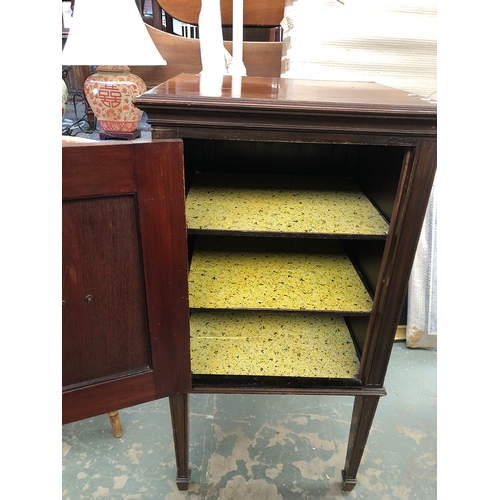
[111,34]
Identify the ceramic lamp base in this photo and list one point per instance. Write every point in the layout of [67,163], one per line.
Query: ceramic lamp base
[110,92]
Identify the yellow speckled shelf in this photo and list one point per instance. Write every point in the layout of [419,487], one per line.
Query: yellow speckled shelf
[274,273]
[282,204]
[271,344]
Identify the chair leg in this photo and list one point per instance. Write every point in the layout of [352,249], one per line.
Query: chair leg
[116,423]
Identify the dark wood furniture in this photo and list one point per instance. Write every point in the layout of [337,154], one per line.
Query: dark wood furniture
[262,58]
[272,136]
[261,18]
[352,165]
[255,12]
[124,249]
[183,56]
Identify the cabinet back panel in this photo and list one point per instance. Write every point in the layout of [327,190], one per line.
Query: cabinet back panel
[105,331]
[376,169]
[267,157]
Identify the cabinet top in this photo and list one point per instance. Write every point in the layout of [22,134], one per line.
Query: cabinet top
[251,91]
[187,102]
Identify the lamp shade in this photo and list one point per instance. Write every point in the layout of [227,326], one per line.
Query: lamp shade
[109,32]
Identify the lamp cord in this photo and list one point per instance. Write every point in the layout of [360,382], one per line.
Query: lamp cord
[82,124]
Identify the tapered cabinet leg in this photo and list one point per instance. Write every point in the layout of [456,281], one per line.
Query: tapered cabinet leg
[179,416]
[361,422]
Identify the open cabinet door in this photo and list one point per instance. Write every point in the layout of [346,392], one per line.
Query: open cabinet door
[125,325]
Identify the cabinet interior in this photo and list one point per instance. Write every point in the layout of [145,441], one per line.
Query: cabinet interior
[286,243]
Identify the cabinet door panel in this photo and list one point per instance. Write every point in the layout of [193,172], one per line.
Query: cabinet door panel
[104,317]
[125,313]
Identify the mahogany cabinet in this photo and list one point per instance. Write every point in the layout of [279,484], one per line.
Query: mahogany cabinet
[124,276]
[261,243]
[304,205]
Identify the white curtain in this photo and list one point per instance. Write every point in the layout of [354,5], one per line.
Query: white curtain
[421,326]
[391,42]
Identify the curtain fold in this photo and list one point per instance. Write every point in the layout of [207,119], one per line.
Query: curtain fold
[421,326]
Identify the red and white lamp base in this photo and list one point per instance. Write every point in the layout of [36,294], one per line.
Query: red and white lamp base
[110,92]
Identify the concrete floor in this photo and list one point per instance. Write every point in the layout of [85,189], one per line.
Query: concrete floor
[265,447]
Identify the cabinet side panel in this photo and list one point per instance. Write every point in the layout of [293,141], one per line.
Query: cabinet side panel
[377,171]
[408,215]
[104,317]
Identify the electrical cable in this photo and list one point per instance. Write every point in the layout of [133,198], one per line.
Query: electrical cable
[79,124]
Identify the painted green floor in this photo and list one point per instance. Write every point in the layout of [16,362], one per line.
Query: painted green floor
[265,447]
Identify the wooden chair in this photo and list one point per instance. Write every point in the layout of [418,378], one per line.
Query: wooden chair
[261,58]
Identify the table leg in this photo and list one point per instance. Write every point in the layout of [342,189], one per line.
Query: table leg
[362,418]
[179,416]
